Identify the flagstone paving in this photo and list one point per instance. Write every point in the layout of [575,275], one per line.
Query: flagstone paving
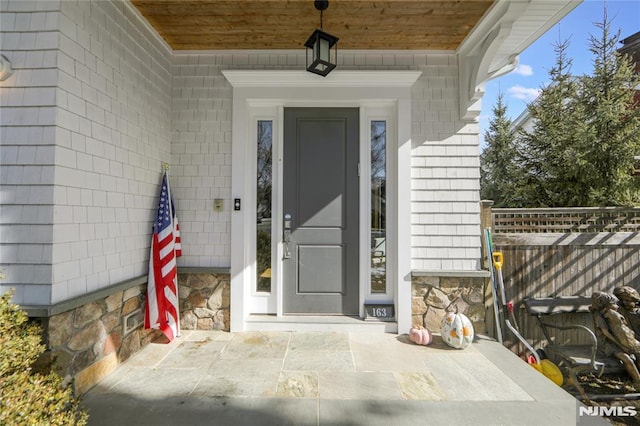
[317,378]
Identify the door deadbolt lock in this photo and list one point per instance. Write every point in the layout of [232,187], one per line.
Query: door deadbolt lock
[286,238]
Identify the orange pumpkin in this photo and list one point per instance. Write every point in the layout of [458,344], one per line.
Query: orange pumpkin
[420,335]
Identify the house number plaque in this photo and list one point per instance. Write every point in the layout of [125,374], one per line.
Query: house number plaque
[379,312]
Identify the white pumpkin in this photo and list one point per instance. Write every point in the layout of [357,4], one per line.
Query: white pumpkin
[456,330]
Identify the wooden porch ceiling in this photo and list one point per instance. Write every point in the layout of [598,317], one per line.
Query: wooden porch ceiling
[286,24]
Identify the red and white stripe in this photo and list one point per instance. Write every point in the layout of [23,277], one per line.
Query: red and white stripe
[162,311]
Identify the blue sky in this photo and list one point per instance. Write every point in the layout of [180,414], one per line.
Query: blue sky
[522,85]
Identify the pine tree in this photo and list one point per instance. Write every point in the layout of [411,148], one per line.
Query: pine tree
[498,170]
[552,158]
[612,120]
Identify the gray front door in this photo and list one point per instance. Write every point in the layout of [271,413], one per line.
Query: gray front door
[321,196]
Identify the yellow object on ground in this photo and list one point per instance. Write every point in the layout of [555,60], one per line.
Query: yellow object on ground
[550,370]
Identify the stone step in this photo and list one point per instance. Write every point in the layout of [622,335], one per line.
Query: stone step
[339,323]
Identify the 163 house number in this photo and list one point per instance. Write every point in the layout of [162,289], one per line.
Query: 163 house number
[379,312]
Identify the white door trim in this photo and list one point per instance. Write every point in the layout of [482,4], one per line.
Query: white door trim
[258,93]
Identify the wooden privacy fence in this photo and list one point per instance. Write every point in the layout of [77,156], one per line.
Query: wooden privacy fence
[583,219]
[564,252]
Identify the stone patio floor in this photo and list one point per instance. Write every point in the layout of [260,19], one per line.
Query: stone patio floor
[325,378]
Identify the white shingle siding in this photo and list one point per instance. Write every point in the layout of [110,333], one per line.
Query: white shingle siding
[27,138]
[445,164]
[201,141]
[201,156]
[83,188]
[97,104]
[114,111]
[445,174]
[115,89]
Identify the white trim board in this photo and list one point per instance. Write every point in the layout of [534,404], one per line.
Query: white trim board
[258,78]
[258,93]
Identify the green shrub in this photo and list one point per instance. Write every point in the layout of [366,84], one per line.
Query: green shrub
[28,397]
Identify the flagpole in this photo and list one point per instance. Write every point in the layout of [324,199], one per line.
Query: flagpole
[166,172]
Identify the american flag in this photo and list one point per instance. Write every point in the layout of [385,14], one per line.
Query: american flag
[162,307]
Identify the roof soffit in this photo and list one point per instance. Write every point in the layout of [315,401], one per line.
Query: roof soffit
[492,47]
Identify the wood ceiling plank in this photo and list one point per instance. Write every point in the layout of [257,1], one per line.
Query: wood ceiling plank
[276,24]
[410,27]
[264,42]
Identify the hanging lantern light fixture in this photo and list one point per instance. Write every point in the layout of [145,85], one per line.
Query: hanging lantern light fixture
[322,48]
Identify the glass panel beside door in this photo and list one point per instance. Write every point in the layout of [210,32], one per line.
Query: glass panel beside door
[264,185]
[378,207]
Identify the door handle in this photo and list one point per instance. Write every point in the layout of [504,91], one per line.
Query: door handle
[286,238]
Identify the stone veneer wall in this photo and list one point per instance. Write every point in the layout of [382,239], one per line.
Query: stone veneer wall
[88,342]
[204,301]
[432,295]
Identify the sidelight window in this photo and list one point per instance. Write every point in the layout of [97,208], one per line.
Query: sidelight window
[378,207]
[264,184]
